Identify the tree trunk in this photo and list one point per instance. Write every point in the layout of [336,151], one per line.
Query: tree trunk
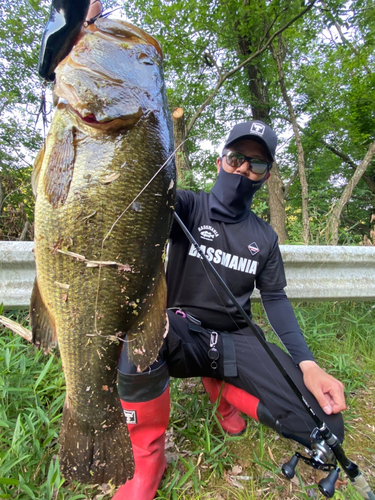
[263,46]
[333,222]
[277,55]
[260,105]
[260,108]
[367,178]
[277,204]
[184,175]
[2,197]
[25,229]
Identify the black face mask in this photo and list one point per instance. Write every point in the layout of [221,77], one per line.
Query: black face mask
[231,197]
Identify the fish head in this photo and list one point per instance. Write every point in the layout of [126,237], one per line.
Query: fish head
[113,74]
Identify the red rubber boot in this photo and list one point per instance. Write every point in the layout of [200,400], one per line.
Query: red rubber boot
[242,400]
[147,423]
[228,416]
[251,405]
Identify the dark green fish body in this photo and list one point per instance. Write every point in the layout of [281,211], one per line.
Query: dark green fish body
[103,210]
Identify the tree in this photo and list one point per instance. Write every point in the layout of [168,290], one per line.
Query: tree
[219,70]
[208,51]
[334,219]
[20,92]
[279,55]
[331,82]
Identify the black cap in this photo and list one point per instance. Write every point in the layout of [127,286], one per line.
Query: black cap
[256,131]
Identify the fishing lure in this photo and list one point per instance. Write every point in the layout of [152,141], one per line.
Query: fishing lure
[63,26]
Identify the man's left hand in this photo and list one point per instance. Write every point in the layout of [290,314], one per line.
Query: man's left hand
[328,391]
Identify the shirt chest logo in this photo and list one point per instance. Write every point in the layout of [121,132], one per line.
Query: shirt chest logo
[207,233]
[253,248]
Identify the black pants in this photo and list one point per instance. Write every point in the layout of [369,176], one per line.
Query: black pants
[185,354]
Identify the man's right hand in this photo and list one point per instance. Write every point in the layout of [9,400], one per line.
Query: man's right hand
[328,391]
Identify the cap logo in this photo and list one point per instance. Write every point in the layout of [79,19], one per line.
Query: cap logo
[257,128]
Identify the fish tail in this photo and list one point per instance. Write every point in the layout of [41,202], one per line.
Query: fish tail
[95,455]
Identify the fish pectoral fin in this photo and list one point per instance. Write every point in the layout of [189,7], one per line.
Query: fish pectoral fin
[148,333]
[59,171]
[42,324]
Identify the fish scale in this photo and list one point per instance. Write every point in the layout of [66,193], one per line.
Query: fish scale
[100,231]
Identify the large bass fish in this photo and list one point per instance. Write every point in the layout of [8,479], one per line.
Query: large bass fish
[104,185]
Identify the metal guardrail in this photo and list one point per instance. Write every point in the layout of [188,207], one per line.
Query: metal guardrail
[17,273]
[313,273]
[329,272]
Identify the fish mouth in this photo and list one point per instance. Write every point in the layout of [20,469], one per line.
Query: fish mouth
[90,119]
[111,77]
[109,124]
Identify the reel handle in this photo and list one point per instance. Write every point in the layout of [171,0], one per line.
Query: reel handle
[327,485]
[288,469]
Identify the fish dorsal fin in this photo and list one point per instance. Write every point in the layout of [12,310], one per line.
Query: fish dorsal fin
[36,170]
[59,171]
[42,324]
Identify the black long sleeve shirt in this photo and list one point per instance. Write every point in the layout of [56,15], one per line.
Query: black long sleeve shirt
[246,254]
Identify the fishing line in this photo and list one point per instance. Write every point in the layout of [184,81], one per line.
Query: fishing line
[350,468]
[120,217]
[247,320]
[176,216]
[144,188]
[202,262]
[261,361]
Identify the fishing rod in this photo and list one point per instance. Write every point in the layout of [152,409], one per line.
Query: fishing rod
[326,485]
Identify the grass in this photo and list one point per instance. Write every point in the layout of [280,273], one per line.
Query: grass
[203,462]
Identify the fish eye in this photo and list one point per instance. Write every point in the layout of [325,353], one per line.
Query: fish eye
[145,59]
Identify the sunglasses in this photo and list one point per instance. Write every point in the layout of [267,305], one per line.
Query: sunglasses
[235,160]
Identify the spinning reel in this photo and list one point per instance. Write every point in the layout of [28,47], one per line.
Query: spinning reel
[326,450]
[319,457]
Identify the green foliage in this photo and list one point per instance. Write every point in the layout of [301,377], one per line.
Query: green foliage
[329,72]
[31,401]
[20,92]
[17,207]
[32,393]
[333,77]
[329,76]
